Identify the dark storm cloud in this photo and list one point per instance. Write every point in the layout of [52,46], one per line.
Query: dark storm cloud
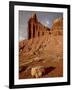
[46,18]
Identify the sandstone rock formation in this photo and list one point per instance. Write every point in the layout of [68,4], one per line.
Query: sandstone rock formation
[37,71]
[44,47]
[35,28]
[58,24]
[57,27]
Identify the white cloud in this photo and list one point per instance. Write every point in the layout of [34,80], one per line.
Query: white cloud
[47,22]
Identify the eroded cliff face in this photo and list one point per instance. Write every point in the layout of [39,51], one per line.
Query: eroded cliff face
[57,27]
[44,50]
[58,24]
[35,28]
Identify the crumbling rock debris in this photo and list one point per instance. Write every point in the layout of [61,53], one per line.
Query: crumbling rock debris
[37,71]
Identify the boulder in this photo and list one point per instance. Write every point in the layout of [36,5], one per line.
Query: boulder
[37,71]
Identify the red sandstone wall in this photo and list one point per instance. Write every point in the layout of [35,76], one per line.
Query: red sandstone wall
[35,28]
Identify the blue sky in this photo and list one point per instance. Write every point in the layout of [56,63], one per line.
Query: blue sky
[46,18]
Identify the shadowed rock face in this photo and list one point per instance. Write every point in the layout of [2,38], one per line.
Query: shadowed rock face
[35,28]
[45,50]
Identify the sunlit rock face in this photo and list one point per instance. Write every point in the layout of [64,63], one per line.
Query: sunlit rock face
[37,71]
[57,27]
[58,24]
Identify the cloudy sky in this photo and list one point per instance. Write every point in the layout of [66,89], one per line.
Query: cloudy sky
[45,18]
